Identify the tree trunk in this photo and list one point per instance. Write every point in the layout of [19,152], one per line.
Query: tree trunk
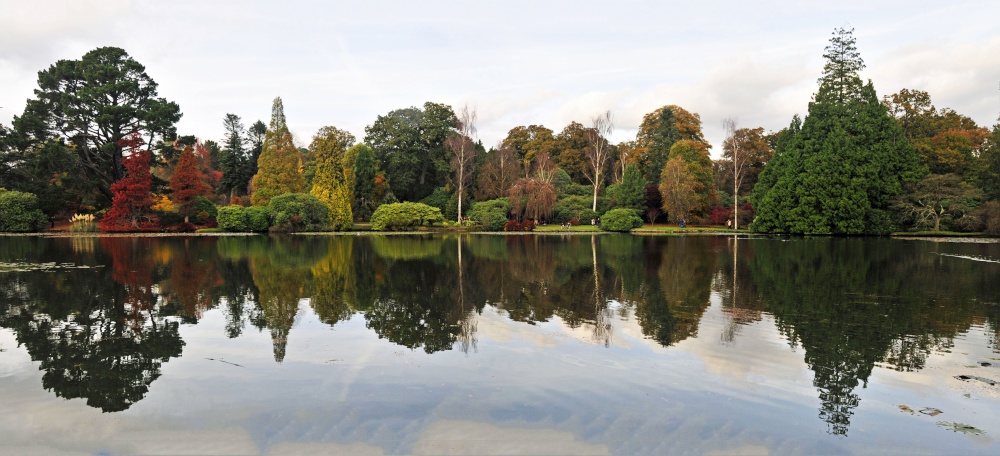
[594,208]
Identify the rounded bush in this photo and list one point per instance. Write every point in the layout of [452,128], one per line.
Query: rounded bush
[299,212]
[398,216]
[232,218]
[491,215]
[622,220]
[19,212]
[258,219]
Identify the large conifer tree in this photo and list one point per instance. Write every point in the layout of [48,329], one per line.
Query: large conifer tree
[838,173]
[330,183]
[187,182]
[279,168]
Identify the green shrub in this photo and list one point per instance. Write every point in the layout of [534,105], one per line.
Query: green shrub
[204,210]
[573,207]
[623,220]
[19,212]
[232,218]
[298,212]
[397,216]
[258,219]
[491,215]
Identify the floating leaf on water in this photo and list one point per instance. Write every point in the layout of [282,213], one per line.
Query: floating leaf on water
[930,411]
[985,364]
[904,408]
[960,427]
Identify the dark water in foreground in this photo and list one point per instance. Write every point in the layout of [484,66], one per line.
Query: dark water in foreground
[491,344]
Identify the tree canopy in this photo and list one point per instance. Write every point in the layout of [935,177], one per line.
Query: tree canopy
[330,183]
[93,103]
[409,145]
[838,174]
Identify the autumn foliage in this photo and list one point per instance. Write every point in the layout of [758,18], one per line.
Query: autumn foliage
[187,182]
[131,207]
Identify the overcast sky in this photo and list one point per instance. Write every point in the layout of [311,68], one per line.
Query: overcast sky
[517,62]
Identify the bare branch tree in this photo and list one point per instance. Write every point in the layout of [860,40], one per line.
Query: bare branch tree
[738,161]
[598,151]
[463,151]
[500,170]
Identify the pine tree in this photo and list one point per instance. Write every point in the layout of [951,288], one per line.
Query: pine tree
[838,174]
[279,168]
[330,182]
[631,192]
[234,158]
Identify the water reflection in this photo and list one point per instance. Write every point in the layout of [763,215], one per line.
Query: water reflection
[103,320]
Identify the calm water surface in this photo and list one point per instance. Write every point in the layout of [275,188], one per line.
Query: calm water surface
[498,344]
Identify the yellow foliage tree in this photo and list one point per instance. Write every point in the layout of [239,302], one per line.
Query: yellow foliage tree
[330,183]
[279,168]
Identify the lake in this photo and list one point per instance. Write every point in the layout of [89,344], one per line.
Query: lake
[480,343]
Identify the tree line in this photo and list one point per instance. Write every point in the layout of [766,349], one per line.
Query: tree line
[96,138]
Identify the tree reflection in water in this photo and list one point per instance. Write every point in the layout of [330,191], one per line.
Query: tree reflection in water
[96,331]
[102,332]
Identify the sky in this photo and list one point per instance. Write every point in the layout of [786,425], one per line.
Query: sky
[516,62]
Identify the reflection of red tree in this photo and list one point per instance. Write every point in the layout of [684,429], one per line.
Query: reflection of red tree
[132,202]
[191,279]
[133,268]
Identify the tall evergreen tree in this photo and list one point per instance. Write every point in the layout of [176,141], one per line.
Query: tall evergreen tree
[279,169]
[631,192]
[838,174]
[330,182]
[235,158]
[187,182]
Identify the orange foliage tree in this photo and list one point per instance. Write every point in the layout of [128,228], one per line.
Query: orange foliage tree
[131,205]
[187,182]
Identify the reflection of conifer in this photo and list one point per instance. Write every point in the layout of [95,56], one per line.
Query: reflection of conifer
[330,281]
[280,290]
[832,299]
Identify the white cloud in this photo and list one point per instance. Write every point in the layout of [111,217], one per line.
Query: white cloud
[519,63]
